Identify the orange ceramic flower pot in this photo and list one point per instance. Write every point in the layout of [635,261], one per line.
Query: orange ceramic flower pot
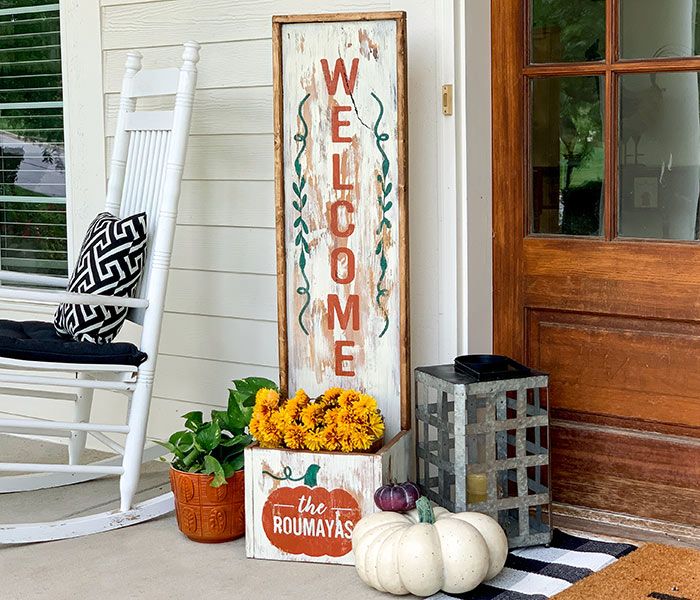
[207,514]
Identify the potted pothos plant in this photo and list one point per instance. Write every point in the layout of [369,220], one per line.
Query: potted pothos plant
[206,472]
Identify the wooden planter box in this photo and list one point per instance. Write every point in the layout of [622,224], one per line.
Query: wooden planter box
[342,272]
[303,505]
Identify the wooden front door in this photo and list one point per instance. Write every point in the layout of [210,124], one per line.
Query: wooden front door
[596,170]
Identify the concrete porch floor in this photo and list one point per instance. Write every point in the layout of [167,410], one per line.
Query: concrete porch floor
[151,560]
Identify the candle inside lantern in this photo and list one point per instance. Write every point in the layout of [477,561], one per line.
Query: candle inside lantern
[476,488]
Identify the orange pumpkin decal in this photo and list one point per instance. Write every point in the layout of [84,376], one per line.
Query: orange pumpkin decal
[310,520]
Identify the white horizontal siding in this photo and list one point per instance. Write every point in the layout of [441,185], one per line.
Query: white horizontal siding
[159,23]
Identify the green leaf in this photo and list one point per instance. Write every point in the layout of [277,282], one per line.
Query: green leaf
[302,260]
[193,419]
[388,206]
[298,239]
[208,437]
[295,187]
[382,262]
[388,189]
[228,469]
[297,167]
[239,414]
[306,246]
[237,463]
[213,466]
[303,201]
[297,222]
[379,247]
[304,226]
[238,440]
[296,205]
[221,416]
[385,166]
[302,183]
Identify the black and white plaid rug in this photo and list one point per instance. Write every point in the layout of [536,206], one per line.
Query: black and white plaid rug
[541,572]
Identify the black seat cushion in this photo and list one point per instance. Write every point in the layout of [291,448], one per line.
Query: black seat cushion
[38,341]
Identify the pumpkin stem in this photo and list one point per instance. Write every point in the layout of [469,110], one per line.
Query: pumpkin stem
[310,476]
[425,511]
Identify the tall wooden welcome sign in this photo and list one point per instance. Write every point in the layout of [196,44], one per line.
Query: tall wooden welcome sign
[342,267]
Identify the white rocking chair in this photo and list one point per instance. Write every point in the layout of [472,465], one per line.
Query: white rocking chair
[145,176]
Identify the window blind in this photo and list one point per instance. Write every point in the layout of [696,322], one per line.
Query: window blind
[32,159]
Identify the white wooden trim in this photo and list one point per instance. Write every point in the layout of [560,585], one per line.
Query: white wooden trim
[448,210]
[23,533]
[460,108]
[83,115]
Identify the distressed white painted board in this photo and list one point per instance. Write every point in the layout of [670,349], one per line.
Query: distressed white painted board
[288,520]
[342,229]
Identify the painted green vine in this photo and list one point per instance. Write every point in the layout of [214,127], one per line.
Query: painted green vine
[384,223]
[299,223]
[309,478]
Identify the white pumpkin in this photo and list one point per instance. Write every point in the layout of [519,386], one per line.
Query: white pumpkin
[426,550]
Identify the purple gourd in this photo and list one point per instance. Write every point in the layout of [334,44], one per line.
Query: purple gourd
[397,497]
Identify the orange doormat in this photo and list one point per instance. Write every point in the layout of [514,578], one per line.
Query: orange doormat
[654,571]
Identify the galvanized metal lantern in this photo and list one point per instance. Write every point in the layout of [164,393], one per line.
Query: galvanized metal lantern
[482,444]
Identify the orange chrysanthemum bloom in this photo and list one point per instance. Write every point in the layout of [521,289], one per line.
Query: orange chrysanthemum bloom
[294,437]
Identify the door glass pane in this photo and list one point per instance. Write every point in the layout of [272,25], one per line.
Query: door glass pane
[567,30]
[659,156]
[659,29]
[567,156]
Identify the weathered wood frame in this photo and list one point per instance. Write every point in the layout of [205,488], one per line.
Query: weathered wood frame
[402,190]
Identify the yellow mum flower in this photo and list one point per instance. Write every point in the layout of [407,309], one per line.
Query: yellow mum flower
[294,437]
[301,398]
[267,398]
[346,444]
[331,439]
[268,433]
[347,398]
[311,415]
[376,425]
[361,439]
[363,407]
[331,394]
[313,440]
[290,411]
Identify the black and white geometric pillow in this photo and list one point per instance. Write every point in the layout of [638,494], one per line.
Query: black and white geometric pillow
[110,263]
